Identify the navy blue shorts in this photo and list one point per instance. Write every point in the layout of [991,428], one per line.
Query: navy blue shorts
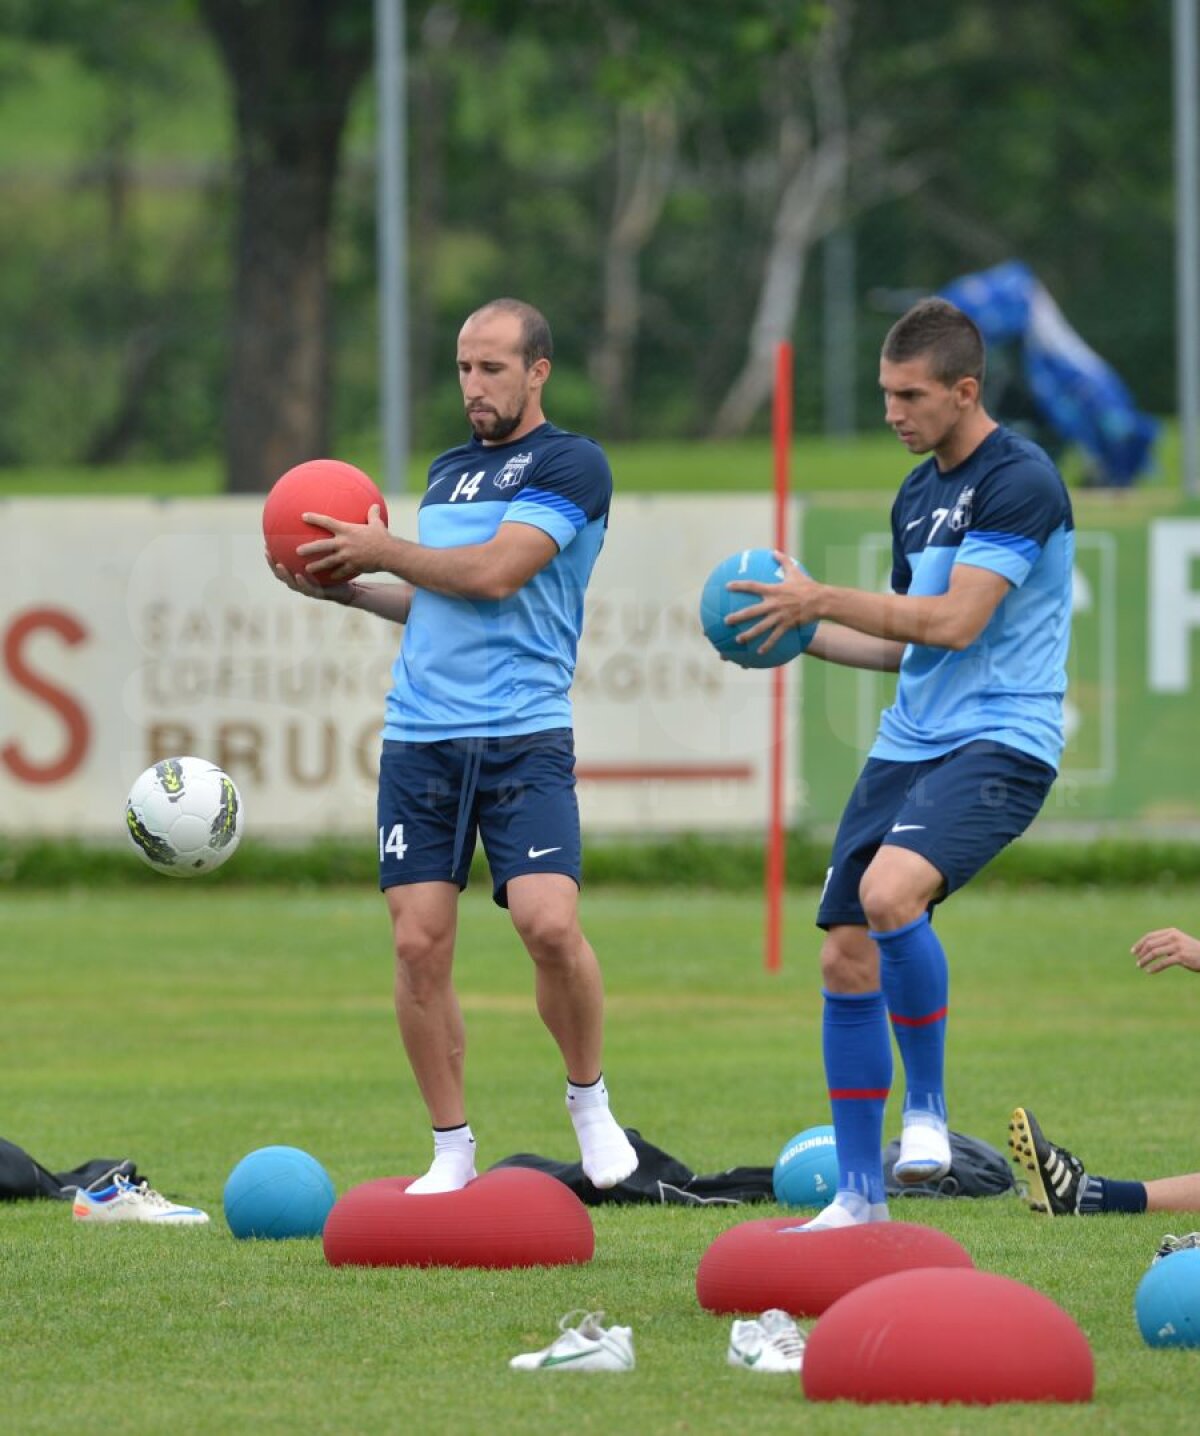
[517,794]
[957,811]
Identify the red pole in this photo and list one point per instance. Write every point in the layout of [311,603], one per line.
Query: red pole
[781,428]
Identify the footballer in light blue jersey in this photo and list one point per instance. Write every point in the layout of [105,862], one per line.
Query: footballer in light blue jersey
[977,626]
[499,667]
[1004,508]
[477,740]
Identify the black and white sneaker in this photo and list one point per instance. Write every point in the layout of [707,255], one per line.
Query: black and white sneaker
[1056,1176]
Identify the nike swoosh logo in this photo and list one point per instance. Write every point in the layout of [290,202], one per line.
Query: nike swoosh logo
[429,488]
[908,827]
[541,852]
[570,1356]
[914,523]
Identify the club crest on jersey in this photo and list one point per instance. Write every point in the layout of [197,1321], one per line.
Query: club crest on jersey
[513,471]
[960,514]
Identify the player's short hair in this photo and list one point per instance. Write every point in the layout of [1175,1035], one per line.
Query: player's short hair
[536,340]
[939,331]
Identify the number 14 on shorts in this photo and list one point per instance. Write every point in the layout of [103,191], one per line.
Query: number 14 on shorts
[391,840]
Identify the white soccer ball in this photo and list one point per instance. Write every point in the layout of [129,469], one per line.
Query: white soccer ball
[184,816]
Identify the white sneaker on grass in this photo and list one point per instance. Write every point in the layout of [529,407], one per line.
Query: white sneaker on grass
[126,1202]
[771,1342]
[588,1346]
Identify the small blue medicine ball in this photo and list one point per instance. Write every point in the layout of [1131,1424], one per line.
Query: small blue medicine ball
[717,602]
[806,1174]
[1167,1303]
[278,1192]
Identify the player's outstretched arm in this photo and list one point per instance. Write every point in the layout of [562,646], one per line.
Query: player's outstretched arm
[1167,947]
[391,601]
[953,619]
[492,570]
[844,646]
[832,642]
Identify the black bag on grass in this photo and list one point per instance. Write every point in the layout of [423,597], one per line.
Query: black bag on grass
[976,1170]
[659,1178]
[21,1177]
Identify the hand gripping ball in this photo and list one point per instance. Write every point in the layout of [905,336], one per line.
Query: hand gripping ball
[717,603]
[320,486]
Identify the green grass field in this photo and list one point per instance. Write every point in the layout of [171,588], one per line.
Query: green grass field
[869,463]
[188,1024]
[738,465]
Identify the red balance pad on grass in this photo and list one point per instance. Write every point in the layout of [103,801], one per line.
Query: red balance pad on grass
[772,1262]
[942,1335]
[508,1217]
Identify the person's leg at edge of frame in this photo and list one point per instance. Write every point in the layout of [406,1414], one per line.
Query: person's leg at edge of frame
[570,998]
[896,891]
[858,1069]
[424,924]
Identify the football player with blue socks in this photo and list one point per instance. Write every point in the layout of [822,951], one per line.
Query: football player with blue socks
[977,625]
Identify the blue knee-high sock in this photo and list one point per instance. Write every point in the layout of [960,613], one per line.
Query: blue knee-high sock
[858,1068]
[916,983]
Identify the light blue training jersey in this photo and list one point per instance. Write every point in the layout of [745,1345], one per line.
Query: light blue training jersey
[497,668]
[1005,508]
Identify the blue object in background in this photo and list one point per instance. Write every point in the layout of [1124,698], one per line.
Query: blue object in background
[1167,1303]
[278,1192]
[806,1173]
[717,603]
[1080,396]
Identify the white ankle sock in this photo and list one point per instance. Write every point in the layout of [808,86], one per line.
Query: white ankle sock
[916,1117]
[604,1149]
[924,1149]
[848,1209]
[453,1163]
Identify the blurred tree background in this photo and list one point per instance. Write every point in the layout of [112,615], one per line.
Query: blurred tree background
[187,206]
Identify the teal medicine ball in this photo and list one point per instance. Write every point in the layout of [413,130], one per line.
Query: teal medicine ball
[278,1192]
[717,603]
[1167,1302]
[806,1173]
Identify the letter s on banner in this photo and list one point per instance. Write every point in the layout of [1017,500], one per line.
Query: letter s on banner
[73,717]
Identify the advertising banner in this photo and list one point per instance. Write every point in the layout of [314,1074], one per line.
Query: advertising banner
[135,629]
